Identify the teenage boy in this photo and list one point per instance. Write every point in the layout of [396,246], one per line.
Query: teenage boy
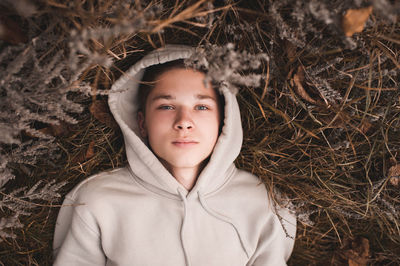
[180,200]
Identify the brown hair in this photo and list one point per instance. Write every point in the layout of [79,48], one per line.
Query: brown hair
[149,78]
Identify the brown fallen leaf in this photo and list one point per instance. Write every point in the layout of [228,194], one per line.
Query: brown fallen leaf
[99,109]
[11,31]
[354,20]
[290,49]
[90,151]
[365,126]
[85,154]
[394,175]
[357,251]
[61,129]
[298,80]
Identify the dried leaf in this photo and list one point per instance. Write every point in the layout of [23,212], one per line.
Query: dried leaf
[99,109]
[62,129]
[90,151]
[79,158]
[11,32]
[56,130]
[357,251]
[290,51]
[46,130]
[298,80]
[354,20]
[365,126]
[84,154]
[394,175]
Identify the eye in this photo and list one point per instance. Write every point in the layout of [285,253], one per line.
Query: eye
[202,107]
[166,107]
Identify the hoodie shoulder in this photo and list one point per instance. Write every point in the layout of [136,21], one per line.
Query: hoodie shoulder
[249,183]
[248,177]
[244,190]
[99,183]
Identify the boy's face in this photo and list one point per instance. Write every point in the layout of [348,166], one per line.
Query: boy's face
[182,119]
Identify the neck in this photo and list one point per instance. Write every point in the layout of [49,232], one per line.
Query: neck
[187,176]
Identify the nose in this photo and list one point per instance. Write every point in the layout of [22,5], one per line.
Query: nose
[183,121]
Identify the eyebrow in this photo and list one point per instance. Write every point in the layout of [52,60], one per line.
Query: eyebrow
[162,96]
[203,96]
[170,97]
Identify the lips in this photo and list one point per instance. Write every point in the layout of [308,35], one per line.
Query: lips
[184,143]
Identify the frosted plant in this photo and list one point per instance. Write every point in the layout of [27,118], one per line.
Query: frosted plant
[389,11]
[327,93]
[9,223]
[303,22]
[286,31]
[298,208]
[38,80]
[324,66]
[209,19]
[391,210]
[242,30]
[225,65]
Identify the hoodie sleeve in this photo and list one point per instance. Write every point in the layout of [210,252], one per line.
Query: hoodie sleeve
[77,238]
[276,240]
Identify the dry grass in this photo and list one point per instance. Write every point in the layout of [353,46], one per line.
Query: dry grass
[328,148]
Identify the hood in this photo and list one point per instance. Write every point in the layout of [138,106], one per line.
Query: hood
[142,161]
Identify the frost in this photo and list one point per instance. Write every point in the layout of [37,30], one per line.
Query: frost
[223,64]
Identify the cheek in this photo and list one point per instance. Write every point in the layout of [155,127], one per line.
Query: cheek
[158,122]
[209,126]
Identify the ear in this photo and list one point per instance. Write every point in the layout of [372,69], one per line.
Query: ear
[142,124]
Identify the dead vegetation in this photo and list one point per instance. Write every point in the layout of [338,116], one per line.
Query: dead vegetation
[321,128]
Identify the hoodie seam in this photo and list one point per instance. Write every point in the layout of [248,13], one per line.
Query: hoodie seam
[227,181]
[72,195]
[147,163]
[182,232]
[153,192]
[85,223]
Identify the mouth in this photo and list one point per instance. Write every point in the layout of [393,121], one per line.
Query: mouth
[184,143]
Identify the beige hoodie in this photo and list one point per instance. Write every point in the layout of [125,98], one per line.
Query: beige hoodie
[141,215]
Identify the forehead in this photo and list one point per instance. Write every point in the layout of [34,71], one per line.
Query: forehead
[183,81]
